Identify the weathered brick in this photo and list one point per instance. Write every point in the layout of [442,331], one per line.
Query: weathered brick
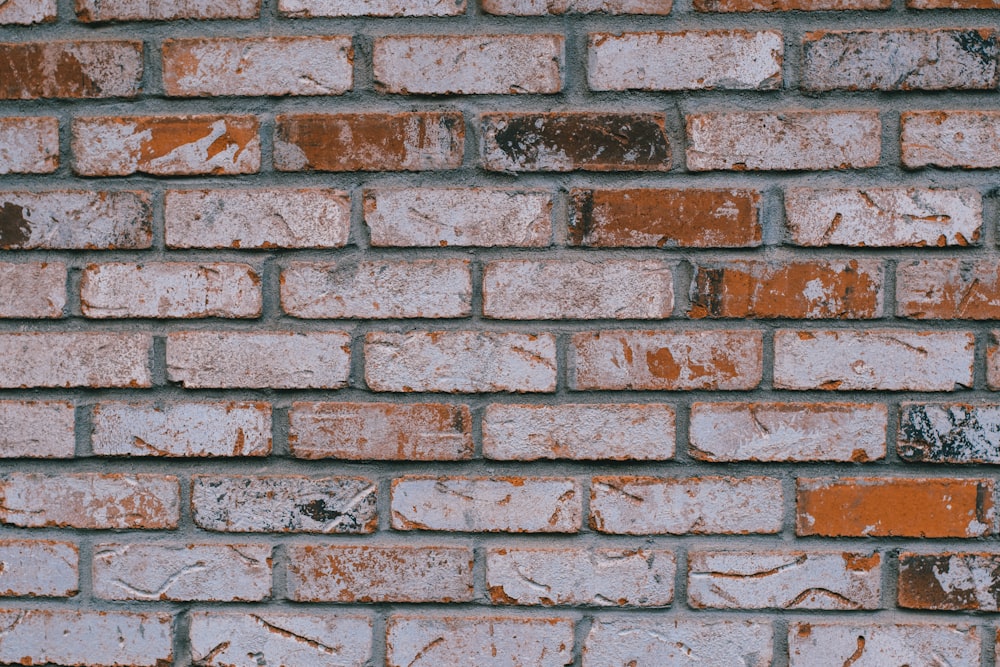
[314,65]
[306,218]
[586,431]
[75,360]
[788,5]
[37,429]
[283,504]
[690,60]
[905,60]
[675,506]
[871,645]
[33,289]
[208,572]
[486,641]
[316,8]
[948,289]
[460,361]
[468,64]
[379,573]
[783,140]
[170,289]
[413,141]
[75,220]
[558,7]
[378,289]
[993,361]
[39,568]
[280,360]
[599,577]
[665,218]
[963,139]
[880,359]
[93,638]
[567,141]
[165,145]
[843,289]
[577,289]
[28,145]
[951,4]
[894,507]
[949,581]
[90,500]
[487,504]
[164,10]
[88,69]
[647,641]
[666,360]
[787,431]
[883,217]
[314,640]
[784,580]
[380,431]
[181,429]
[949,433]
[432,217]
[26,12]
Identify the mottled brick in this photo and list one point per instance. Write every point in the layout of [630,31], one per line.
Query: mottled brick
[948,289]
[993,361]
[317,8]
[641,640]
[949,433]
[951,4]
[37,429]
[816,643]
[84,69]
[26,12]
[164,10]
[75,220]
[34,290]
[559,7]
[28,145]
[39,568]
[788,5]
[949,581]
[963,139]
[75,360]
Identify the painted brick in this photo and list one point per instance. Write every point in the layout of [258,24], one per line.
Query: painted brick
[949,581]
[306,218]
[26,12]
[487,504]
[468,64]
[170,289]
[93,638]
[948,289]
[460,361]
[75,220]
[84,69]
[949,433]
[432,217]
[843,289]
[951,4]
[33,290]
[586,431]
[283,504]
[963,139]
[691,60]
[870,360]
[75,360]
[380,431]
[907,60]
[785,140]
[648,641]
[39,568]
[280,360]
[294,640]
[378,289]
[90,500]
[164,10]
[379,573]
[894,507]
[207,572]
[721,432]
[559,7]
[486,641]
[37,429]
[414,141]
[665,218]
[258,66]
[883,217]
[568,141]
[788,5]
[784,580]
[598,577]
[28,145]
[181,429]
[675,506]
[666,360]
[316,8]
[872,645]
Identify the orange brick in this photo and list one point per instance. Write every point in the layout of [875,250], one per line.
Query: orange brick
[948,289]
[88,69]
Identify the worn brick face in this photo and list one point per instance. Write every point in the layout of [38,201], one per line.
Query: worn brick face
[90,68]
[949,433]
[963,139]
[317,8]
[37,429]
[947,289]
[559,7]
[75,220]
[35,290]
[39,568]
[788,5]
[27,12]
[28,146]
[641,640]
[75,360]
[949,581]
[815,643]
[164,10]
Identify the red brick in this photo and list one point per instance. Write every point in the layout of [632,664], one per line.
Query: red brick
[165,10]
[788,5]
[90,500]
[948,289]
[84,69]
[391,573]
[414,141]
[568,141]
[676,506]
[666,360]
[165,145]
[641,640]
[28,145]
[894,507]
[949,581]
[258,66]
[33,290]
[26,12]
[75,360]
[380,431]
[39,568]
[665,218]
[37,429]
[963,139]
[316,8]
[882,644]
[558,7]
[75,220]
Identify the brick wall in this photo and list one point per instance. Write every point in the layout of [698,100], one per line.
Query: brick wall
[500,332]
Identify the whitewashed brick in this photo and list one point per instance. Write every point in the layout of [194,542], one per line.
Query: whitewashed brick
[39,568]
[964,139]
[33,289]
[75,359]
[26,12]
[680,643]
[165,10]
[37,429]
[311,8]
[29,145]
[876,645]
[75,220]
